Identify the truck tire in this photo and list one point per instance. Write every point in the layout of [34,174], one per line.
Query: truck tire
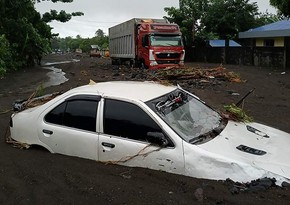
[115,62]
[143,65]
[132,63]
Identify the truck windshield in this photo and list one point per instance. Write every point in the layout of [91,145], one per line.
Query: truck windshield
[191,119]
[163,40]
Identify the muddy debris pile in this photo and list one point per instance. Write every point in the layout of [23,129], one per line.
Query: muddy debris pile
[193,76]
[204,74]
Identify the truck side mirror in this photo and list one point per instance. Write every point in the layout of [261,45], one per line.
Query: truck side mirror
[145,41]
[184,40]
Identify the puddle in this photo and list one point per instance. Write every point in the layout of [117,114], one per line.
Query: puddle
[56,76]
[61,62]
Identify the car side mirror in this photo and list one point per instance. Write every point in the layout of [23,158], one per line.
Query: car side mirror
[159,138]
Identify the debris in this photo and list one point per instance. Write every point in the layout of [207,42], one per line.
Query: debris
[199,194]
[92,82]
[234,190]
[5,111]
[283,73]
[285,184]
[243,98]
[235,113]
[14,143]
[84,72]
[126,174]
[196,73]
[261,184]
[33,101]
[254,186]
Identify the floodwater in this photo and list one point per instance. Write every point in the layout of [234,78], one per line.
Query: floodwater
[56,75]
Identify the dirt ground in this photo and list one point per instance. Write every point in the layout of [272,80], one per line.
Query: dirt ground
[35,176]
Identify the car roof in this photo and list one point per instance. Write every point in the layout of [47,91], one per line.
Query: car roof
[132,90]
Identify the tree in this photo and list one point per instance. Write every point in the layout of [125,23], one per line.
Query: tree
[71,44]
[267,18]
[25,34]
[188,16]
[61,16]
[202,20]
[5,55]
[226,18]
[100,33]
[283,6]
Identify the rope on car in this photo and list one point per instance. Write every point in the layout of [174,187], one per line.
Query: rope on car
[127,158]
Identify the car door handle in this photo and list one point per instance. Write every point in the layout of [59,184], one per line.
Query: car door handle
[47,132]
[106,144]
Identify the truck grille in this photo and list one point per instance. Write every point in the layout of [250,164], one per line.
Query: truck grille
[167,62]
[168,55]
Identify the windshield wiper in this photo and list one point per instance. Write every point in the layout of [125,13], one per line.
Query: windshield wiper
[209,135]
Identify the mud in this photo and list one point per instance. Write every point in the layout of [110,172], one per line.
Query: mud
[36,176]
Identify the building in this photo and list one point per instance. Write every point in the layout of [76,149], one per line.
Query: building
[222,43]
[270,35]
[269,44]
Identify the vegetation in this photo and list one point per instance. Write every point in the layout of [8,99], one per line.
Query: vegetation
[235,113]
[283,6]
[5,55]
[24,34]
[202,20]
[71,44]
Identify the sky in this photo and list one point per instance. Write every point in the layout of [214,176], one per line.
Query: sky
[99,14]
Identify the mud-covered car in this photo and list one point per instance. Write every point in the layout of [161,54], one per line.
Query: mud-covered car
[146,124]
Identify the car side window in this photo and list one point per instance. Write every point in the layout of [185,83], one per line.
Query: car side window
[127,120]
[79,114]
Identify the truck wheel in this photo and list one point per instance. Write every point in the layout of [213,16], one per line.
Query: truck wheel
[132,63]
[143,65]
[115,62]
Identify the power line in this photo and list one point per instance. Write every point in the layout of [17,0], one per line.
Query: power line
[106,22]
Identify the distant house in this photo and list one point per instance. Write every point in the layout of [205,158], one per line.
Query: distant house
[270,35]
[222,43]
[95,47]
[78,50]
[95,51]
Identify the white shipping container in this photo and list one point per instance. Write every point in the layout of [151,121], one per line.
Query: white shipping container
[122,38]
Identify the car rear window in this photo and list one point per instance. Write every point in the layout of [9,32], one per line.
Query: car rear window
[80,114]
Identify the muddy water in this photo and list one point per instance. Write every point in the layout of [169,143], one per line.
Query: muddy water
[56,76]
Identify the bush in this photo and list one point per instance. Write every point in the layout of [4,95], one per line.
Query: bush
[5,55]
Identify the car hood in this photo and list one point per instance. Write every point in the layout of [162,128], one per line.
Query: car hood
[253,143]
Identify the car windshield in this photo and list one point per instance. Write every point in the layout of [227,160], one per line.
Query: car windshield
[162,40]
[190,118]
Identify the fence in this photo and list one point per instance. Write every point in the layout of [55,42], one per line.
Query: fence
[276,57]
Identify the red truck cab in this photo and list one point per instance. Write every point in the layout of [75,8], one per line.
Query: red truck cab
[159,45]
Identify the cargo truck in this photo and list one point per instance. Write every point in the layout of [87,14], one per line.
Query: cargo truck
[148,43]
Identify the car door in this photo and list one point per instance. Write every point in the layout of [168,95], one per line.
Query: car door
[131,137]
[69,127]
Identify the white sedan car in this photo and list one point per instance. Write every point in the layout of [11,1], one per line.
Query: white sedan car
[146,124]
